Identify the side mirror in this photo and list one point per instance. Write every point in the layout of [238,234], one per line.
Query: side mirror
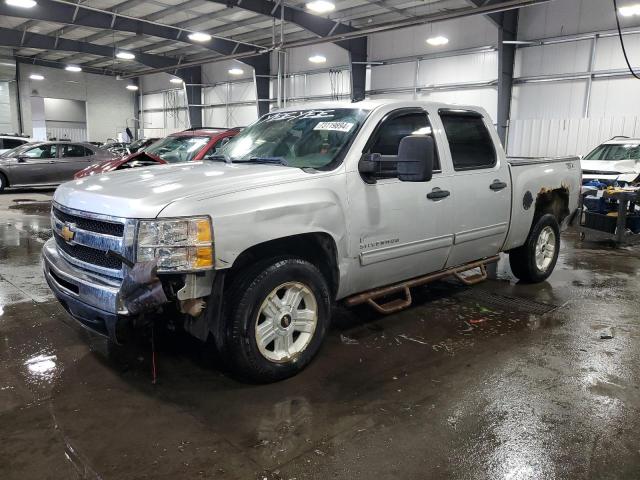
[224,141]
[368,165]
[415,158]
[22,159]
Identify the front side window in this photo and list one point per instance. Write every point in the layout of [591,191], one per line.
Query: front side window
[613,153]
[177,149]
[302,139]
[469,140]
[386,139]
[42,151]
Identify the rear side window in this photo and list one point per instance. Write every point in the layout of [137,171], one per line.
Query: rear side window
[73,151]
[469,140]
[8,143]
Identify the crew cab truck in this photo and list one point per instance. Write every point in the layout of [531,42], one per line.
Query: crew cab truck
[352,202]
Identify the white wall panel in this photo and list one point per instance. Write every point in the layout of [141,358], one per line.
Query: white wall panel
[219,72]
[215,95]
[551,59]
[298,58]
[397,75]
[5,109]
[559,137]
[242,92]
[462,33]
[477,67]
[153,100]
[567,17]
[609,54]
[549,100]
[615,96]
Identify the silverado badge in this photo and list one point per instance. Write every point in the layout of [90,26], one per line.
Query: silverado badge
[67,232]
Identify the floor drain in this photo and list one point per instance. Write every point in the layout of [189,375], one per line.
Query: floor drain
[506,302]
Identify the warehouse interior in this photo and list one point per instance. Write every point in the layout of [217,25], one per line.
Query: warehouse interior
[504,380]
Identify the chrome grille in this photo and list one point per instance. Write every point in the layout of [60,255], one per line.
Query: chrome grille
[87,254]
[90,224]
[83,239]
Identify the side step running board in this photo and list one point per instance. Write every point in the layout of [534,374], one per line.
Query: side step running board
[398,304]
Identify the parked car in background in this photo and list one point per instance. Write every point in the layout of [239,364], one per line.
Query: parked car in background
[614,161]
[189,145]
[351,202]
[46,163]
[9,142]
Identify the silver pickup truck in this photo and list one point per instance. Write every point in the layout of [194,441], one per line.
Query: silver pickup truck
[350,202]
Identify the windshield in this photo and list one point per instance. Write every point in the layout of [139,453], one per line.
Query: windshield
[303,139]
[626,151]
[177,149]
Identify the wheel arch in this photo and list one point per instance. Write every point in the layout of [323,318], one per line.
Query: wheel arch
[554,201]
[318,248]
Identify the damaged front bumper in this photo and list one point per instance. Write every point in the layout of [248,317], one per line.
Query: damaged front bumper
[89,298]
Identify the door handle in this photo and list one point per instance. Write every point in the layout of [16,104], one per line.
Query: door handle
[497,185]
[437,194]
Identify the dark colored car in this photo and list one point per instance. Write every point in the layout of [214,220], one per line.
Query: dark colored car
[190,145]
[47,163]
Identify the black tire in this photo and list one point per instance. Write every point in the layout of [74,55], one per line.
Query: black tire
[240,350]
[523,259]
[4,183]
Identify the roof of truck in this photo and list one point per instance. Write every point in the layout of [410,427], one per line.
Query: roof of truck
[373,104]
[622,141]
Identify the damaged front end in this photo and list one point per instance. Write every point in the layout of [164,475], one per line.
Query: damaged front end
[115,274]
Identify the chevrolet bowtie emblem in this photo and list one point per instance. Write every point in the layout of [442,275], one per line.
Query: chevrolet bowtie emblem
[67,233]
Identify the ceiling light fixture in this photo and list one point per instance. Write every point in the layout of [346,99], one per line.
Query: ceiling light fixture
[520,42]
[317,59]
[236,71]
[36,76]
[199,37]
[133,88]
[125,55]
[321,6]
[72,68]
[437,41]
[176,80]
[630,10]
[21,3]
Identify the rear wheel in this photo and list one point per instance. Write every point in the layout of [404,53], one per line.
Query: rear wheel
[535,260]
[278,315]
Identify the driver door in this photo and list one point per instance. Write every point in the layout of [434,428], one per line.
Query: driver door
[34,165]
[397,229]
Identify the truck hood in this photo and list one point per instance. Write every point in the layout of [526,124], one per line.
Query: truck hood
[145,192]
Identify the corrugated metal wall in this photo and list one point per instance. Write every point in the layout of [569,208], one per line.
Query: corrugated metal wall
[5,109]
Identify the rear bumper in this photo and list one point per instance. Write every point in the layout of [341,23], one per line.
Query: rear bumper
[90,299]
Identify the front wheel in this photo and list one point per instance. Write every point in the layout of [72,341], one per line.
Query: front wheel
[278,315]
[534,261]
[3,182]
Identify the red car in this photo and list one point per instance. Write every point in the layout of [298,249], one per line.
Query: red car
[189,145]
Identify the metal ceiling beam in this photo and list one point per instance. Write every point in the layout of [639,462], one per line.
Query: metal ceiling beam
[61,65]
[323,27]
[24,39]
[495,18]
[60,11]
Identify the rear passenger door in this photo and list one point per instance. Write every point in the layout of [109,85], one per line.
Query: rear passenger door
[73,158]
[482,186]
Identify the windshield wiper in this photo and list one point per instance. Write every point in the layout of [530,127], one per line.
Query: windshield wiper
[269,160]
[219,158]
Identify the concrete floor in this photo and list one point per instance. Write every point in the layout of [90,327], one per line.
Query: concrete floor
[467,384]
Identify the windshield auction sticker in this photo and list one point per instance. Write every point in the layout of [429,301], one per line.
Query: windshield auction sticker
[334,126]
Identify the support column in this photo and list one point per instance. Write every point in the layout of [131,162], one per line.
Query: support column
[357,61]
[507,30]
[261,79]
[192,77]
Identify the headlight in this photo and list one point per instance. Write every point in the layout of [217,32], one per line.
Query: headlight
[181,244]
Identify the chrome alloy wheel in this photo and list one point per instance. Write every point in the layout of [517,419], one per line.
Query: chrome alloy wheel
[286,322]
[545,248]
